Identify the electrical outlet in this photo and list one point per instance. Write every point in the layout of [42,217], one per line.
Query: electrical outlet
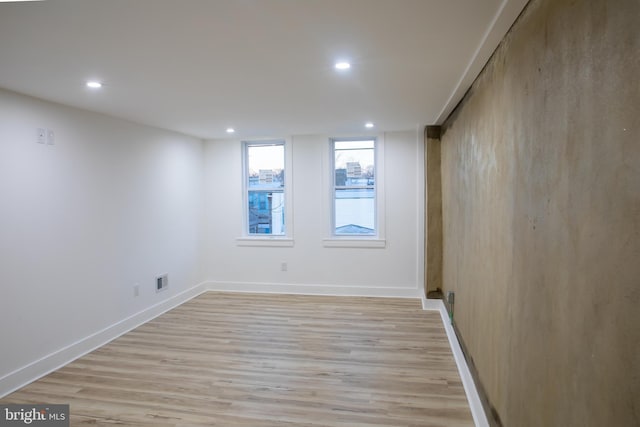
[136,289]
[283,266]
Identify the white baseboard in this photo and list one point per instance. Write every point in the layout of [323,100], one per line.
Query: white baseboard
[328,290]
[477,410]
[47,364]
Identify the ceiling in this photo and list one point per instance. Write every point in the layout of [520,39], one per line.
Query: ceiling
[264,67]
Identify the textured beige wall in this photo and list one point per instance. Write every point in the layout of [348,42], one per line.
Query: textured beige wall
[541,210]
[433,210]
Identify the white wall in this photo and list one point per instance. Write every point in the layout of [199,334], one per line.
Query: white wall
[110,204]
[114,203]
[394,270]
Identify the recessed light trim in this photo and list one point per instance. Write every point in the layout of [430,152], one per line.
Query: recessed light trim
[368,125]
[342,65]
[94,84]
[231,130]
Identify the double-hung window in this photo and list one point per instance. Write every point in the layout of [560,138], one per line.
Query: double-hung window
[264,174]
[354,187]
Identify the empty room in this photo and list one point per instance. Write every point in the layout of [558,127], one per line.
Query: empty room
[320,213]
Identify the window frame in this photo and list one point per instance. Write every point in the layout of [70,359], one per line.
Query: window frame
[376,239]
[247,238]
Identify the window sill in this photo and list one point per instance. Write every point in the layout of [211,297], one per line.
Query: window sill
[354,243]
[280,242]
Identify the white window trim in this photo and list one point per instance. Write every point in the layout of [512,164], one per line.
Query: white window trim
[377,241]
[275,241]
[266,240]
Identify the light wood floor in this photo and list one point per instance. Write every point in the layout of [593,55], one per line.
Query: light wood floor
[268,360]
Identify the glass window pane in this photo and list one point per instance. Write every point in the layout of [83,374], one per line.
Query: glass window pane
[351,145]
[265,165]
[354,193]
[266,212]
[265,188]
[354,163]
[355,211]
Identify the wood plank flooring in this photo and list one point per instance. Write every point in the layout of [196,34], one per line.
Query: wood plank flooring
[226,359]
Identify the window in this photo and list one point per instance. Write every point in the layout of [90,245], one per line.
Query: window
[354,187]
[265,188]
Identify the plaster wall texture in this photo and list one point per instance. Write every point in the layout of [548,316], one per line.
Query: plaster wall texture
[541,216]
[109,206]
[394,269]
[433,223]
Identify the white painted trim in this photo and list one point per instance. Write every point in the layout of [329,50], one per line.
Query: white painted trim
[362,242]
[288,193]
[477,410]
[265,241]
[328,189]
[314,289]
[420,212]
[504,18]
[381,191]
[47,364]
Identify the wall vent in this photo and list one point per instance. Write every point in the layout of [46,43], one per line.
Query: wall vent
[162,282]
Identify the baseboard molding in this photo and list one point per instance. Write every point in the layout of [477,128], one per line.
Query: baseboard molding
[41,367]
[329,290]
[477,410]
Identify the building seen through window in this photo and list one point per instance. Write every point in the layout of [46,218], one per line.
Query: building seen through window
[354,201]
[265,188]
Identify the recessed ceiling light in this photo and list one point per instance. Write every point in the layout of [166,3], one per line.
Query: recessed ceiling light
[368,125]
[230,130]
[342,65]
[93,84]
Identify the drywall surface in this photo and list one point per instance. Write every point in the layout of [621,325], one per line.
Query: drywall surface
[392,270]
[541,209]
[109,205]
